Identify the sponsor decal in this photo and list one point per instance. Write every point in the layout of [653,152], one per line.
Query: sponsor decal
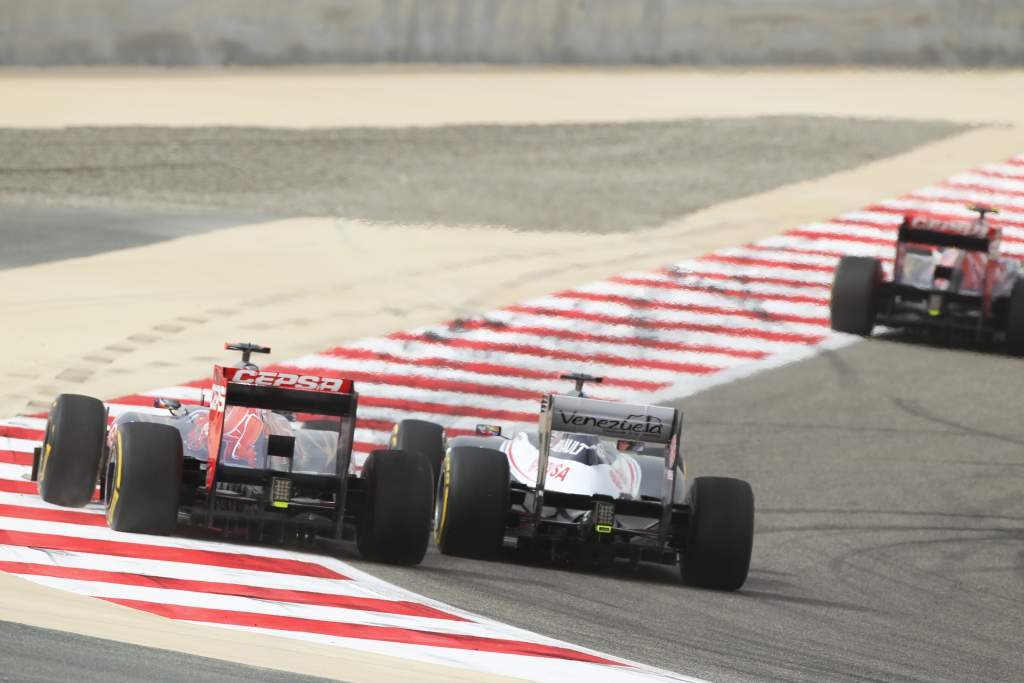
[646,425]
[287,380]
[569,447]
[557,471]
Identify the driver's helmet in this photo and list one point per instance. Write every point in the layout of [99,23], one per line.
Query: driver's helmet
[579,447]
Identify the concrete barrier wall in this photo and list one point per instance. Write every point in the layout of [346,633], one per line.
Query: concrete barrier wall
[702,32]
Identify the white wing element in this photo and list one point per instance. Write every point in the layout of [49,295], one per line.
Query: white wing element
[615,474]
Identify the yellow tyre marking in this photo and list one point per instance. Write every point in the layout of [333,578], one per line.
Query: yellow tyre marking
[117,483]
[120,458]
[439,528]
[394,437]
[41,474]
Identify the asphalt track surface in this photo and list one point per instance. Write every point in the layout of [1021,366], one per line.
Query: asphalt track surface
[38,655]
[588,177]
[890,522]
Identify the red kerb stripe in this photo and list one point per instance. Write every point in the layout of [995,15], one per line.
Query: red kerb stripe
[994,220]
[633,302]
[16,458]
[974,187]
[844,237]
[540,351]
[481,367]
[619,340]
[420,382]
[403,607]
[52,515]
[13,432]
[168,554]
[629,321]
[18,486]
[389,634]
[721,291]
[445,409]
[767,263]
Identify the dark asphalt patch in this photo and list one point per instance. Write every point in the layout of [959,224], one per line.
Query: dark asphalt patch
[32,234]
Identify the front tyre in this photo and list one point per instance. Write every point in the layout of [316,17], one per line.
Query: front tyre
[471,505]
[71,452]
[394,526]
[720,535]
[855,293]
[144,479]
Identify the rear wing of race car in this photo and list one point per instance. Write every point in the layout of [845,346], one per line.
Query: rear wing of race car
[975,237]
[968,237]
[633,422]
[289,392]
[248,387]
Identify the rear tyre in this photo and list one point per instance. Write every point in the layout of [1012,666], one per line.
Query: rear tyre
[855,291]
[471,505]
[144,479]
[1015,320]
[720,535]
[72,448]
[394,526]
[420,436]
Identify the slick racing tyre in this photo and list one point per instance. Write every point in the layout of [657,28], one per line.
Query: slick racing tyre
[1015,320]
[720,535]
[471,505]
[394,526]
[855,291]
[72,448]
[144,479]
[420,436]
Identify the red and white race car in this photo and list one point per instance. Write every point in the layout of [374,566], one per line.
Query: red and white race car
[267,457]
[946,274]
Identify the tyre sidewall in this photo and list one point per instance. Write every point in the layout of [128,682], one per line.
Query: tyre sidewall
[72,450]
[394,525]
[853,305]
[144,486]
[720,533]
[472,502]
